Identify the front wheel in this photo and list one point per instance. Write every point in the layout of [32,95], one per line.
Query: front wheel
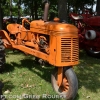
[69,86]
[91,52]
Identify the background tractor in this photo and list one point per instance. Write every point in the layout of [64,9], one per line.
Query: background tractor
[53,42]
[89,32]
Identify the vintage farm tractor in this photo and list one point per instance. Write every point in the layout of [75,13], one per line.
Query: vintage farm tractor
[54,42]
[89,32]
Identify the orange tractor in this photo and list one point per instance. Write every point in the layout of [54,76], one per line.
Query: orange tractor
[53,42]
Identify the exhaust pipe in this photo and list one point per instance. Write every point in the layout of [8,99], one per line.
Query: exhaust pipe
[46,10]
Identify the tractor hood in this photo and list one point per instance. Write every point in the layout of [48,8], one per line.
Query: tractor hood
[52,27]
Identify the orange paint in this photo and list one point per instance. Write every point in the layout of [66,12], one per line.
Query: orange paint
[55,42]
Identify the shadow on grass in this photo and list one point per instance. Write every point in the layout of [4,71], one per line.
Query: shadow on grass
[8,68]
[8,86]
[88,71]
[31,65]
[77,97]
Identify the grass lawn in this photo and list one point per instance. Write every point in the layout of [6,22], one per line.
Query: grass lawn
[24,76]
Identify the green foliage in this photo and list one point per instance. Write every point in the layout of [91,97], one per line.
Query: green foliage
[35,7]
[79,4]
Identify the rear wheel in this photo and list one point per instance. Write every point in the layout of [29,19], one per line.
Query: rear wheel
[2,55]
[69,86]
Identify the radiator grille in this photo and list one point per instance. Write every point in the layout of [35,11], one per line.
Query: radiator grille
[69,49]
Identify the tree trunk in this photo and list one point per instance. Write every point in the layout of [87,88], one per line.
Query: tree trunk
[11,10]
[62,10]
[98,7]
[32,9]
[19,15]
[1,17]
[35,9]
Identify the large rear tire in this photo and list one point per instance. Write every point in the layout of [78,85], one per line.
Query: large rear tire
[2,56]
[69,87]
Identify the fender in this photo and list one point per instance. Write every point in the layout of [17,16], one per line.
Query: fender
[6,39]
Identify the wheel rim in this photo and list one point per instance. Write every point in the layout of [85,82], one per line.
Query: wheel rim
[65,85]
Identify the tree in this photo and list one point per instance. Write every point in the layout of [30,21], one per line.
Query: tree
[1,17]
[11,10]
[98,7]
[58,8]
[62,10]
[19,14]
[19,6]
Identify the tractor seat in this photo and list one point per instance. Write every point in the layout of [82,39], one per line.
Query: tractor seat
[15,28]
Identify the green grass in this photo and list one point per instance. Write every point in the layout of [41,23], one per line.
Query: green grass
[24,76]
[88,74]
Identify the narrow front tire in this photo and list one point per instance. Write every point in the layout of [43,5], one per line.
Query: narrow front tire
[69,86]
